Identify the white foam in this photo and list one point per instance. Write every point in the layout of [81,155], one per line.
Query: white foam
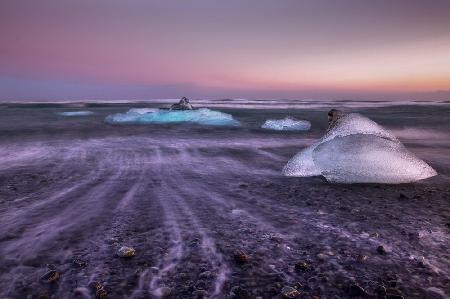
[287,124]
[357,150]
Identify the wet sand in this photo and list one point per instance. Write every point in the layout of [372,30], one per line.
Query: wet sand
[189,203]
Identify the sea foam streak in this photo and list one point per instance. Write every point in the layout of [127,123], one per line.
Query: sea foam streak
[357,150]
[286,124]
[203,116]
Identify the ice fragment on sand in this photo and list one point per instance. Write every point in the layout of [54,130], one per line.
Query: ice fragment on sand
[76,113]
[287,124]
[203,116]
[357,150]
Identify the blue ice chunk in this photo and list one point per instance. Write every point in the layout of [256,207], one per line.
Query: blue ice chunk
[203,116]
[75,113]
[287,124]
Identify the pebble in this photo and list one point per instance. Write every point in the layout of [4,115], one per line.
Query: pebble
[165,291]
[356,291]
[393,293]
[321,257]
[126,252]
[205,274]
[101,294]
[380,291]
[381,250]
[112,240]
[241,257]
[77,262]
[302,266]
[51,276]
[362,258]
[290,292]
[200,293]
[238,292]
[403,196]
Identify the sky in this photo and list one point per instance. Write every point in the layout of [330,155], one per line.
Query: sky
[290,49]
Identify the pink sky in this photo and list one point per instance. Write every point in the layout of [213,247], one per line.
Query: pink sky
[114,49]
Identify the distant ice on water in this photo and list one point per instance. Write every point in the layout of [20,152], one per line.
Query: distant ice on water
[358,150]
[203,116]
[286,124]
[76,113]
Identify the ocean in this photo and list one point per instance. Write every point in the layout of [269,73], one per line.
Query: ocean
[190,198]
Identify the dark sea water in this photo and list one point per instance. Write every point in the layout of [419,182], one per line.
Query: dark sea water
[187,197]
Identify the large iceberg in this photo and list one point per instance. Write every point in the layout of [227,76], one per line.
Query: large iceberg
[287,124]
[358,150]
[203,116]
[76,113]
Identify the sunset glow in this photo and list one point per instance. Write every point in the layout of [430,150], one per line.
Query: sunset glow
[120,49]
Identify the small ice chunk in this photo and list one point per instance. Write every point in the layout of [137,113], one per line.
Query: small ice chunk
[142,110]
[357,150]
[287,124]
[203,116]
[75,113]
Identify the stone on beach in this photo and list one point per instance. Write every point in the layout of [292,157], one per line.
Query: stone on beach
[126,252]
[51,276]
[289,292]
[241,257]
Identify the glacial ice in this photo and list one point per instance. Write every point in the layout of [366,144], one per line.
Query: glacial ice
[75,113]
[203,116]
[358,150]
[287,124]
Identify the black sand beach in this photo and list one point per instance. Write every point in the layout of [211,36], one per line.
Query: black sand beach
[208,211]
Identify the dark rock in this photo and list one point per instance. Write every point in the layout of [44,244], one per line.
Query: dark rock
[380,291]
[51,276]
[302,266]
[77,262]
[238,292]
[241,257]
[289,292]
[183,104]
[392,293]
[165,291]
[355,290]
[205,274]
[392,283]
[243,185]
[362,258]
[403,196]
[381,250]
[199,294]
[101,294]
